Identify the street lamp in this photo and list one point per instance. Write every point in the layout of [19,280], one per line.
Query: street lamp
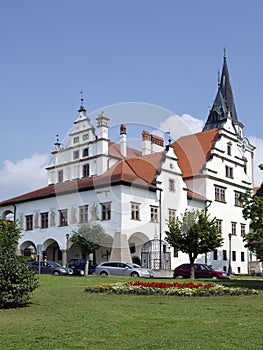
[229,260]
[67,237]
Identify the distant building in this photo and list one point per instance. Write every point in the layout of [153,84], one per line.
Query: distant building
[134,193]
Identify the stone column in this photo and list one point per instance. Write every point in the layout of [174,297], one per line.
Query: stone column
[120,250]
[64,257]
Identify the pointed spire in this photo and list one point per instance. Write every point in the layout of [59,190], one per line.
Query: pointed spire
[223,103]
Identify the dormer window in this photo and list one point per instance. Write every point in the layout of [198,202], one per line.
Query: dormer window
[85,152]
[76,139]
[60,176]
[76,155]
[229,148]
[85,170]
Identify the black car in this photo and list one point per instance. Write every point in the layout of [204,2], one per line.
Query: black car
[50,267]
[78,266]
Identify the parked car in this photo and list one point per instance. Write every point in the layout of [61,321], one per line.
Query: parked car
[201,271]
[118,268]
[50,267]
[78,266]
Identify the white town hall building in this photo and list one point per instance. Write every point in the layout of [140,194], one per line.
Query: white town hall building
[134,193]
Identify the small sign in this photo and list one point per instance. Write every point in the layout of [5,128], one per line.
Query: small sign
[39,249]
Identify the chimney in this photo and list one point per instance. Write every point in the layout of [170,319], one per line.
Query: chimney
[146,143]
[123,139]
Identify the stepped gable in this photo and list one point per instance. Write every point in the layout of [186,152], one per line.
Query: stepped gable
[193,151]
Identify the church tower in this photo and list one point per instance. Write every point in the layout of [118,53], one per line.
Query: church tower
[224,106]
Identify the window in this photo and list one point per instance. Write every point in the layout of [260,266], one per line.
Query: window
[154,214]
[132,247]
[243,230]
[224,255]
[135,211]
[85,137]
[83,213]
[171,185]
[242,256]
[229,148]
[85,152]
[106,211]
[220,194]
[234,228]
[229,171]
[44,220]
[215,254]
[76,139]
[172,215]
[233,255]
[76,155]
[85,170]
[63,217]
[237,199]
[60,176]
[29,222]
[176,253]
[219,225]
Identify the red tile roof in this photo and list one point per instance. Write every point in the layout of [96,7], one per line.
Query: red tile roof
[193,151]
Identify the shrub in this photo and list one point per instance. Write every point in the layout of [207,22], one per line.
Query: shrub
[17,281]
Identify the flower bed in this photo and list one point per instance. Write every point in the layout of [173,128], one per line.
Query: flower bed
[174,289]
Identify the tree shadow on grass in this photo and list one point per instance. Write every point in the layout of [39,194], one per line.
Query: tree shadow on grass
[244,283]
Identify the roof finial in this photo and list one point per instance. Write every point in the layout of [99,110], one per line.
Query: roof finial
[82,99]
[224,53]
[168,133]
[82,108]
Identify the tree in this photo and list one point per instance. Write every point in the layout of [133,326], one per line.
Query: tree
[89,238]
[194,234]
[253,210]
[17,281]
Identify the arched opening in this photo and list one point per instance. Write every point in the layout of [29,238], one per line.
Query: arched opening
[156,255]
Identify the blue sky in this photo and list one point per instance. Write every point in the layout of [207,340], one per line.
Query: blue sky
[165,53]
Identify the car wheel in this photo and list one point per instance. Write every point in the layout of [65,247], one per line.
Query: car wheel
[56,273]
[214,278]
[180,276]
[134,274]
[104,273]
[82,273]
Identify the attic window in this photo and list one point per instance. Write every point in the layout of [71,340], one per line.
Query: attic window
[229,148]
[85,137]
[76,139]
[85,152]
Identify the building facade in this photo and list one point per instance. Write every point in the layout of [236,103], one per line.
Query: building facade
[133,193]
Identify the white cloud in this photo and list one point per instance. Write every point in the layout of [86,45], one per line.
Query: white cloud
[182,125]
[258,158]
[23,176]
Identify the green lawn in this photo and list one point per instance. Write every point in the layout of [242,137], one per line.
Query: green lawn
[63,316]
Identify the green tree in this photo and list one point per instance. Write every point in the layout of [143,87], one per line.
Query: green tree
[194,234]
[89,238]
[253,210]
[17,281]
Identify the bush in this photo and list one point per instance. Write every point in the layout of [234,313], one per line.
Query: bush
[17,281]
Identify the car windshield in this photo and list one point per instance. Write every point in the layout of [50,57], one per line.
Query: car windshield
[131,265]
[208,267]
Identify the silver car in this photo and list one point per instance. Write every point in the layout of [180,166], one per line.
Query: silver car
[118,268]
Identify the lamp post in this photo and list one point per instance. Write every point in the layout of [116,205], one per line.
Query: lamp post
[229,260]
[67,237]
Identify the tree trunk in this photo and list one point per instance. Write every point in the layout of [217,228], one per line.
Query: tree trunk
[192,269]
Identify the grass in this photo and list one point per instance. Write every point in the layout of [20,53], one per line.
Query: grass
[63,316]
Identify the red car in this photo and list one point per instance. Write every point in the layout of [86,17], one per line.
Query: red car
[201,271]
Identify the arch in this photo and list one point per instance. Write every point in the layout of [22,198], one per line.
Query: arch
[8,215]
[156,254]
[28,248]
